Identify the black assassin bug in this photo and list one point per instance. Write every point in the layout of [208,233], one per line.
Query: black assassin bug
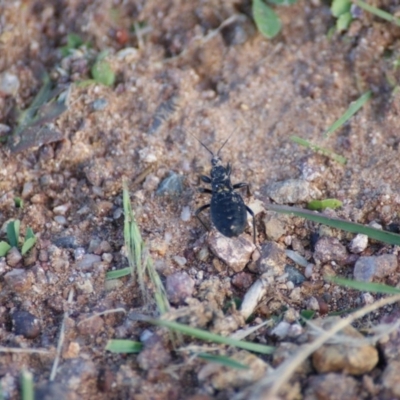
[228,211]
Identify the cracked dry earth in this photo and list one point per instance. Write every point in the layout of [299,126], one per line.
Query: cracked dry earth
[182,69]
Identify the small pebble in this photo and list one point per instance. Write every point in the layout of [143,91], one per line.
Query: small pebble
[27,190]
[13,257]
[281,330]
[185,214]
[292,191]
[61,220]
[370,267]
[309,270]
[4,129]
[9,83]
[297,258]
[91,326]
[25,324]
[203,254]
[359,243]
[107,257]
[242,280]
[332,386]
[313,304]
[272,260]
[179,286]
[62,209]
[99,104]
[235,252]
[87,262]
[343,355]
[151,182]
[18,280]
[181,261]
[294,275]
[79,252]
[328,249]
[275,227]
[172,185]
[390,378]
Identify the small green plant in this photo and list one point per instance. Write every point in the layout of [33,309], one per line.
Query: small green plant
[13,239]
[267,21]
[340,9]
[74,41]
[102,71]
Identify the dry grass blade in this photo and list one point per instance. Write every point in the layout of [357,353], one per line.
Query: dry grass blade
[270,386]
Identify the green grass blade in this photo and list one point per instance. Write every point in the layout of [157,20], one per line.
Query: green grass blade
[378,12]
[13,232]
[364,286]
[123,346]
[223,360]
[266,20]
[160,292]
[319,205]
[119,273]
[353,108]
[373,233]
[27,390]
[4,247]
[326,152]
[212,337]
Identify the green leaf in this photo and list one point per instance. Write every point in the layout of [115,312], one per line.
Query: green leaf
[353,108]
[73,42]
[373,233]
[340,7]
[102,73]
[307,314]
[364,286]
[4,247]
[319,205]
[223,360]
[28,244]
[118,273]
[29,233]
[266,20]
[13,232]
[18,202]
[124,346]
[343,22]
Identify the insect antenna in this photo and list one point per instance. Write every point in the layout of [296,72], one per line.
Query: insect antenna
[203,144]
[223,144]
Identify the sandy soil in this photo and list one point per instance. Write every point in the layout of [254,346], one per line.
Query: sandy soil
[177,76]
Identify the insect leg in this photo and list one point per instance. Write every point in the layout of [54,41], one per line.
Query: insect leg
[205,190]
[205,178]
[198,211]
[242,184]
[250,211]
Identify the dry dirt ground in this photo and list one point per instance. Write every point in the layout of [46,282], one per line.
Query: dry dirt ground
[185,71]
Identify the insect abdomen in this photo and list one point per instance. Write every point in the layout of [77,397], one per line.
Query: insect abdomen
[228,213]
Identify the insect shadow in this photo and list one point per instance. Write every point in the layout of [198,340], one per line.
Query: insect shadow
[227,208]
